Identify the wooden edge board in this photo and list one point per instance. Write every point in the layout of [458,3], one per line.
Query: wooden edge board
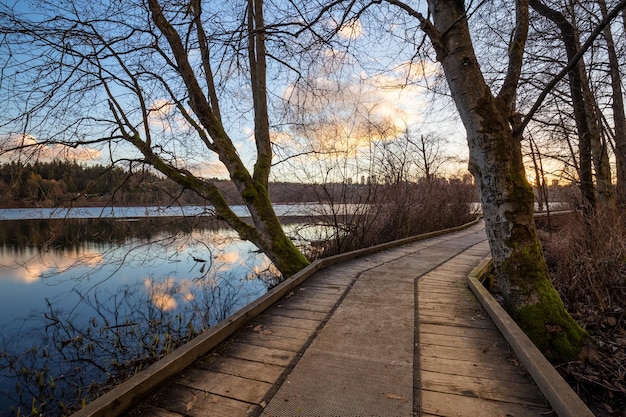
[120,398]
[562,398]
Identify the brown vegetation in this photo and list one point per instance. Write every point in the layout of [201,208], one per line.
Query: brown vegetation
[587,261]
[395,211]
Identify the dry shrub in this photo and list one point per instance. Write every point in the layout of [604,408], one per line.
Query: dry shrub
[406,209]
[587,259]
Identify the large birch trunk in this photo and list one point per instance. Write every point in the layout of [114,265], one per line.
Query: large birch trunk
[507,198]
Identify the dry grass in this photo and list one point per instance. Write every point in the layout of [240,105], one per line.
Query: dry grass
[401,210]
[587,259]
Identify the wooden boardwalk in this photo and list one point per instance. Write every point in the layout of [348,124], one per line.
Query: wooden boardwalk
[396,333]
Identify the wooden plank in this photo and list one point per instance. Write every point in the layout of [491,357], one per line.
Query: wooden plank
[315,297]
[316,288]
[300,303]
[244,368]
[466,317]
[297,313]
[280,331]
[192,402]
[271,320]
[447,298]
[454,321]
[474,332]
[444,405]
[458,308]
[433,286]
[492,354]
[469,368]
[273,339]
[524,393]
[151,410]
[455,309]
[259,354]
[231,386]
[458,264]
[434,291]
[441,277]
[456,341]
[336,279]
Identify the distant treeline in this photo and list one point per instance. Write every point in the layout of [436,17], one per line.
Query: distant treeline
[67,183]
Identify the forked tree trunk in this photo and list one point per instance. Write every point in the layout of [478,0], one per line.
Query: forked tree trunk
[267,232]
[507,198]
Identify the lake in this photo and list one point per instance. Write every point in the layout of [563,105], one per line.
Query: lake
[86,302]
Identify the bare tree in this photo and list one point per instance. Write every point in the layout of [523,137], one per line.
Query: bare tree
[591,146]
[617,107]
[154,78]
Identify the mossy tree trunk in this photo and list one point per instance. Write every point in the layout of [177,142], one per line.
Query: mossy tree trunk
[152,63]
[266,231]
[496,163]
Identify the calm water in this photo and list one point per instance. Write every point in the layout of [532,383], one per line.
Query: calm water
[83,300]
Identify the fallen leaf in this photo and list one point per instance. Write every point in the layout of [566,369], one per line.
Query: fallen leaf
[395,396]
[553,328]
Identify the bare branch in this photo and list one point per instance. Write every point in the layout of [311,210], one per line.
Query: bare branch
[570,65]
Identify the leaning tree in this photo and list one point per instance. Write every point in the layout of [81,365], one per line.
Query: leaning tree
[160,82]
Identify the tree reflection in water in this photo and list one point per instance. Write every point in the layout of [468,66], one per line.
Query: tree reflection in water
[88,303]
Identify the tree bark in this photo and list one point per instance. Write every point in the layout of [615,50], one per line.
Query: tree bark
[267,232]
[496,163]
[617,105]
[591,147]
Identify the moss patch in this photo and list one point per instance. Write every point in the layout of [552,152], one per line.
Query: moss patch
[536,305]
[550,326]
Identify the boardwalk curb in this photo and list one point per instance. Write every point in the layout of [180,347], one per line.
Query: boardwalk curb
[120,398]
[562,398]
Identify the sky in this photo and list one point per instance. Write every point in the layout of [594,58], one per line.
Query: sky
[361,95]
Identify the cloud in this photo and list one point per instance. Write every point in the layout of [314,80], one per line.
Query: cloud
[209,169]
[161,115]
[227,261]
[33,268]
[161,106]
[228,257]
[163,294]
[333,111]
[351,30]
[343,116]
[20,147]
